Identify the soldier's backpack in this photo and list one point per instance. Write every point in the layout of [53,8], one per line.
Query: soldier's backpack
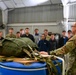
[17,47]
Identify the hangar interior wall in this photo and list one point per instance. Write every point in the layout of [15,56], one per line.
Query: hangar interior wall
[52,27]
[0,16]
[72,12]
[72,15]
[38,15]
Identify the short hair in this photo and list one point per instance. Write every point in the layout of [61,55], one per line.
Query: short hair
[49,33]
[63,31]
[26,28]
[17,32]
[45,30]
[43,34]
[10,28]
[21,29]
[36,29]
[69,31]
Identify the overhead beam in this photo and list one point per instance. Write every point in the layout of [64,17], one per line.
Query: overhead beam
[71,3]
[5,16]
[5,20]
[51,2]
[5,4]
[23,2]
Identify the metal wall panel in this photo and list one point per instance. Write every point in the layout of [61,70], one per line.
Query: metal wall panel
[72,11]
[51,28]
[37,14]
[0,16]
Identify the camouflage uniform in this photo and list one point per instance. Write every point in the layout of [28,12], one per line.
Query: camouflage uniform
[70,47]
[10,36]
[47,37]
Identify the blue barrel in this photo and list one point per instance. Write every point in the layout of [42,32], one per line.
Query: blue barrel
[13,68]
[58,65]
[37,68]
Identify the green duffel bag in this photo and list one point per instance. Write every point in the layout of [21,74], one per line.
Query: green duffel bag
[18,47]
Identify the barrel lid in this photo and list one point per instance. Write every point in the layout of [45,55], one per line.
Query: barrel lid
[19,65]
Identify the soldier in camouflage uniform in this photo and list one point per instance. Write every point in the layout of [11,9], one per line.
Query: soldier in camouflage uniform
[46,34]
[10,34]
[69,47]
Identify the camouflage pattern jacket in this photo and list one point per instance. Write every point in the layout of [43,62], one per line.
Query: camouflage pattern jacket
[10,36]
[69,47]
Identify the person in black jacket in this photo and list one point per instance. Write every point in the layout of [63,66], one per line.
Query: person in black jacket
[28,35]
[1,38]
[63,39]
[43,44]
[53,42]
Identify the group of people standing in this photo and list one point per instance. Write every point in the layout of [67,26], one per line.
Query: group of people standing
[45,41]
[49,42]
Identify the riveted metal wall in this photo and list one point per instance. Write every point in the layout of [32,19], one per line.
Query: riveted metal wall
[55,28]
[46,13]
[72,12]
[0,16]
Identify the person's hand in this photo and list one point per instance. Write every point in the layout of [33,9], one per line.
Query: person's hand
[43,53]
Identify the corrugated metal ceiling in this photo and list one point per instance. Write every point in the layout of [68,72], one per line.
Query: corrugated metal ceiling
[5,4]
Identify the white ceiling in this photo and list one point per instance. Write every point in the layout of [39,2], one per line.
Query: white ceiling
[5,4]
[66,2]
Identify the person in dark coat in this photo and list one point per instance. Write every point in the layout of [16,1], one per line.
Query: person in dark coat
[63,39]
[43,44]
[28,35]
[53,42]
